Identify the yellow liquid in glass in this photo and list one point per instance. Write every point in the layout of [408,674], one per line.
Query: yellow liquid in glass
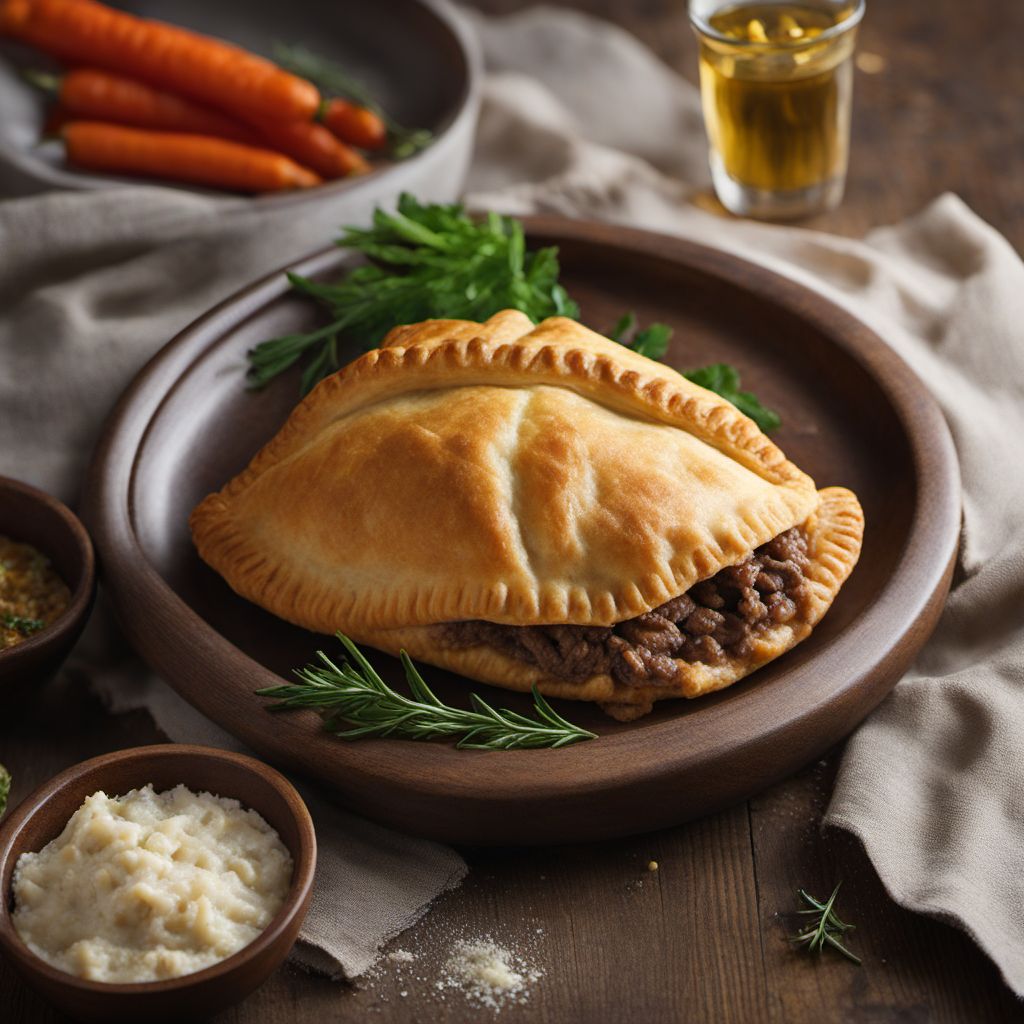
[777,102]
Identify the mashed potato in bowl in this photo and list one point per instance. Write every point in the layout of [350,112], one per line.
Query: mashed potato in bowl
[149,886]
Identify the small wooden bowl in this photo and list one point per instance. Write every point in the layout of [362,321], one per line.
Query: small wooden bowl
[33,517]
[42,816]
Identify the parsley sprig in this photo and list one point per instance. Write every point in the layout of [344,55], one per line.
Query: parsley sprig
[352,694]
[825,931]
[426,262]
[723,379]
[430,261]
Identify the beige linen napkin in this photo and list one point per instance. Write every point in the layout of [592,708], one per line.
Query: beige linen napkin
[933,782]
[91,285]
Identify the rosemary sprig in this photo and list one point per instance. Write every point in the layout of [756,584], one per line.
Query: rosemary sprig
[825,929]
[333,80]
[5,788]
[352,693]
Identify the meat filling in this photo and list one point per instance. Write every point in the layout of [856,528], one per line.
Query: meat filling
[715,619]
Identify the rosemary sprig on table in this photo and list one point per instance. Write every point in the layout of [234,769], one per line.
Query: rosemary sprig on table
[826,929]
[352,693]
[333,80]
[5,788]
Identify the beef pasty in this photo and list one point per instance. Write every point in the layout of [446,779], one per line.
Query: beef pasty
[534,505]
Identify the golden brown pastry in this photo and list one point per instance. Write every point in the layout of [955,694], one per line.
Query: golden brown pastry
[534,505]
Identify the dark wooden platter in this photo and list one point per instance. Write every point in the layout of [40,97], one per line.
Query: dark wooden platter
[853,412]
[426,74]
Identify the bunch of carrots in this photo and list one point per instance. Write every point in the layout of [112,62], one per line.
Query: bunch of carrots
[146,98]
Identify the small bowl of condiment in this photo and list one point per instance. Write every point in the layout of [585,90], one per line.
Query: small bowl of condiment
[182,872]
[47,584]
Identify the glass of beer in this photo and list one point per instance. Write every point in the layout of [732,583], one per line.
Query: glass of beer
[776,82]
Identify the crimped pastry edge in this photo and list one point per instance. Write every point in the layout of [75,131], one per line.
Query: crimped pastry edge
[835,534]
[460,353]
[590,365]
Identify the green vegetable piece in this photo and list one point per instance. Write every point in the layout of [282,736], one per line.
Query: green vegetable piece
[5,788]
[353,694]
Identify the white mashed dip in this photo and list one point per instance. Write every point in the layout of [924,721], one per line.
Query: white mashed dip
[150,886]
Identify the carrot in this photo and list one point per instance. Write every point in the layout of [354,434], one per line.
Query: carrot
[354,124]
[203,69]
[313,145]
[93,95]
[197,159]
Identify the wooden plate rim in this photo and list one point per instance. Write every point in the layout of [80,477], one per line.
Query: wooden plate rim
[893,621]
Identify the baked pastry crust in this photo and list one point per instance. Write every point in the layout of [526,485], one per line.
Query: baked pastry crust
[497,471]
[834,534]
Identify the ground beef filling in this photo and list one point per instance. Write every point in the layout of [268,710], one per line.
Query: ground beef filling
[715,619]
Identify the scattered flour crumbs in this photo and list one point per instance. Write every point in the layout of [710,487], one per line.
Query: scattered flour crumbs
[484,972]
[488,973]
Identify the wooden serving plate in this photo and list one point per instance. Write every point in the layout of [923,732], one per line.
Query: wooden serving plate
[853,412]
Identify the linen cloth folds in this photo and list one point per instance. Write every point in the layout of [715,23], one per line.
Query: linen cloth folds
[579,118]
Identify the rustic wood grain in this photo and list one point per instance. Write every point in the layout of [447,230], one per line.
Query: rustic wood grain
[944,114]
[703,938]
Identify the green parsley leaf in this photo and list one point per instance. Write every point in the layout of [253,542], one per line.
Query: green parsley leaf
[724,380]
[427,261]
[652,341]
[623,330]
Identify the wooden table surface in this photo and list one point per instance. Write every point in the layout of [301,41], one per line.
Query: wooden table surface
[704,937]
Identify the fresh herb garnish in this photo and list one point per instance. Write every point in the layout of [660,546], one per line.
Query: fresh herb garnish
[26,627]
[651,341]
[434,261]
[721,378]
[724,380]
[333,80]
[5,788]
[353,694]
[824,931]
[426,262]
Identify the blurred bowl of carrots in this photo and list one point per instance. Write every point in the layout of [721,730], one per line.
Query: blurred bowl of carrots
[244,97]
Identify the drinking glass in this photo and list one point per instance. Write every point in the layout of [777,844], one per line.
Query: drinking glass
[776,82]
